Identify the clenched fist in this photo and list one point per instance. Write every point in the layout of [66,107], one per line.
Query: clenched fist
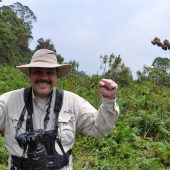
[108,88]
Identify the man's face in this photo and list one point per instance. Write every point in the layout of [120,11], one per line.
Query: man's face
[43,80]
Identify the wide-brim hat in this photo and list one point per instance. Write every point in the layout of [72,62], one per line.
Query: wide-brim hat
[44,58]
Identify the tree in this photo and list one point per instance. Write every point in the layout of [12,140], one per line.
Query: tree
[113,67]
[15,36]
[158,73]
[75,65]
[104,62]
[47,44]
[25,14]
[162,64]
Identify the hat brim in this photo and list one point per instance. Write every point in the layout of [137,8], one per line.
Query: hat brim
[62,69]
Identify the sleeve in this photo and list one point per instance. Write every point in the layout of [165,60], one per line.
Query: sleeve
[2,113]
[97,123]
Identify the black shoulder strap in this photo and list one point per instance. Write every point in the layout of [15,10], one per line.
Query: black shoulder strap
[29,107]
[57,108]
[28,98]
[58,104]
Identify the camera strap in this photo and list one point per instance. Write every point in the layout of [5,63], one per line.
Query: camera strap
[57,107]
[29,107]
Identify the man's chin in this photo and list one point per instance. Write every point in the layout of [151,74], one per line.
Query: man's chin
[43,92]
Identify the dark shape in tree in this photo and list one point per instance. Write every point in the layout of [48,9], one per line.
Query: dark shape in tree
[165,45]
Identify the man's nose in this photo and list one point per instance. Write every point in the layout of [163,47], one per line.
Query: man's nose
[44,75]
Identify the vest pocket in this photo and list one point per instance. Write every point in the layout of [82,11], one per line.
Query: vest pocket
[13,123]
[66,128]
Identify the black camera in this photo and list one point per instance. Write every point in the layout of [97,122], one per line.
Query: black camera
[36,152]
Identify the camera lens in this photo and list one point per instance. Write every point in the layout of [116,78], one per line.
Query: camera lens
[38,157]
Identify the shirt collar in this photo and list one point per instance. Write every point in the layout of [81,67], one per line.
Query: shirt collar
[34,97]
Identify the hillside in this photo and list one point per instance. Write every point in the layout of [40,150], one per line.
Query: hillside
[141,138]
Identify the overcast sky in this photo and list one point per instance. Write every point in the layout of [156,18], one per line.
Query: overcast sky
[82,30]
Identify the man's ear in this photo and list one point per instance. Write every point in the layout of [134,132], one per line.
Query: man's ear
[29,79]
[56,72]
[29,71]
[1,133]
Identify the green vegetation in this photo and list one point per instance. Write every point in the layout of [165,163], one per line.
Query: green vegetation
[141,138]
[15,25]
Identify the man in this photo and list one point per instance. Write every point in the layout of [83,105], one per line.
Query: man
[39,124]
